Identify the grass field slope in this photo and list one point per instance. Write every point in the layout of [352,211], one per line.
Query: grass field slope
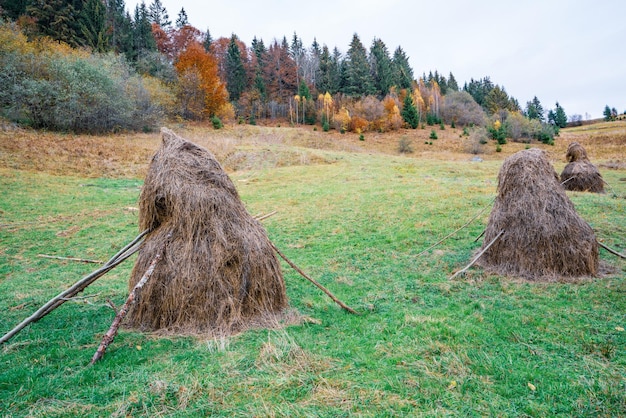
[356,216]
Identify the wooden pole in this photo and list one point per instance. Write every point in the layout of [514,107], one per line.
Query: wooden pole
[79,286]
[612,251]
[303,274]
[81,260]
[121,314]
[477,257]
[454,232]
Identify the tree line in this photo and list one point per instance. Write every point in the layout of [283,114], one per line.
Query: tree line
[95,58]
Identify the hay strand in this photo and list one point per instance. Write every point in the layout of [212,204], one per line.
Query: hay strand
[303,274]
[477,257]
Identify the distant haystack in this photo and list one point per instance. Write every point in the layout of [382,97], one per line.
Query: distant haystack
[544,238]
[580,174]
[219,271]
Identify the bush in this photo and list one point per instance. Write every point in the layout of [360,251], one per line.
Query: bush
[54,87]
[433,135]
[404,146]
[217,122]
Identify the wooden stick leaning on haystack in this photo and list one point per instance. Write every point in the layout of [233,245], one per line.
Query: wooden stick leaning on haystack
[123,254]
[119,317]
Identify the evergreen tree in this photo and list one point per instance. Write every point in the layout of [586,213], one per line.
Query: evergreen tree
[208,40]
[452,84]
[358,77]
[313,64]
[13,9]
[381,68]
[158,15]
[235,70]
[402,71]
[607,113]
[409,112]
[94,26]
[56,19]
[560,118]
[497,100]
[182,19]
[260,53]
[534,110]
[297,52]
[120,27]
[479,89]
[324,80]
[143,41]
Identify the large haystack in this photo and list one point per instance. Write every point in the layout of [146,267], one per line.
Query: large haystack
[580,174]
[544,238]
[219,272]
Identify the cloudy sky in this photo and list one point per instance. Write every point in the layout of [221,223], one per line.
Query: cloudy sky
[571,51]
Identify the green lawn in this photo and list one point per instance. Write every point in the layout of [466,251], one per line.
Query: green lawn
[423,345]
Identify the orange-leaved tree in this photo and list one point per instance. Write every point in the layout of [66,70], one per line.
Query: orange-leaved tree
[202,94]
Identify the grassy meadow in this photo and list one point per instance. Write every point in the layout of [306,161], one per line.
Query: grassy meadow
[356,216]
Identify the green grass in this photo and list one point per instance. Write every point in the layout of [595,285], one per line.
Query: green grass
[422,346]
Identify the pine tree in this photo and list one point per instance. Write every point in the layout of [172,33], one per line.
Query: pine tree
[534,110]
[208,40]
[479,89]
[94,27]
[381,68]
[560,118]
[158,15]
[409,112]
[120,27]
[56,19]
[496,100]
[452,84]
[607,113]
[235,70]
[182,19]
[402,71]
[143,40]
[358,78]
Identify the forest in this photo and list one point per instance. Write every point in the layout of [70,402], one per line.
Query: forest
[92,66]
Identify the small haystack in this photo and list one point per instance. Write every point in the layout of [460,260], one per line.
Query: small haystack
[544,238]
[580,174]
[219,272]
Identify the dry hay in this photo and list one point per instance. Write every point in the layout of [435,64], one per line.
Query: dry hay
[544,238]
[219,273]
[580,174]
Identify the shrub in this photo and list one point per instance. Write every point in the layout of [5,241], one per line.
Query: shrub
[433,135]
[217,122]
[404,146]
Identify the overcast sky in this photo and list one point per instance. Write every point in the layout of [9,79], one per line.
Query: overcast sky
[573,52]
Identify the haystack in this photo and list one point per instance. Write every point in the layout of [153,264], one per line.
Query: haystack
[544,238]
[219,271]
[580,174]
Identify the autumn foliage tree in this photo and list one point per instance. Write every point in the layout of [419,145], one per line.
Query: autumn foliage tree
[201,92]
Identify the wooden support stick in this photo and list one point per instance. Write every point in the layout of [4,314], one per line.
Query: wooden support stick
[82,260]
[477,257]
[79,286]
[303,274]
[260,218]
[611,250]
[112,332]
[453,232]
